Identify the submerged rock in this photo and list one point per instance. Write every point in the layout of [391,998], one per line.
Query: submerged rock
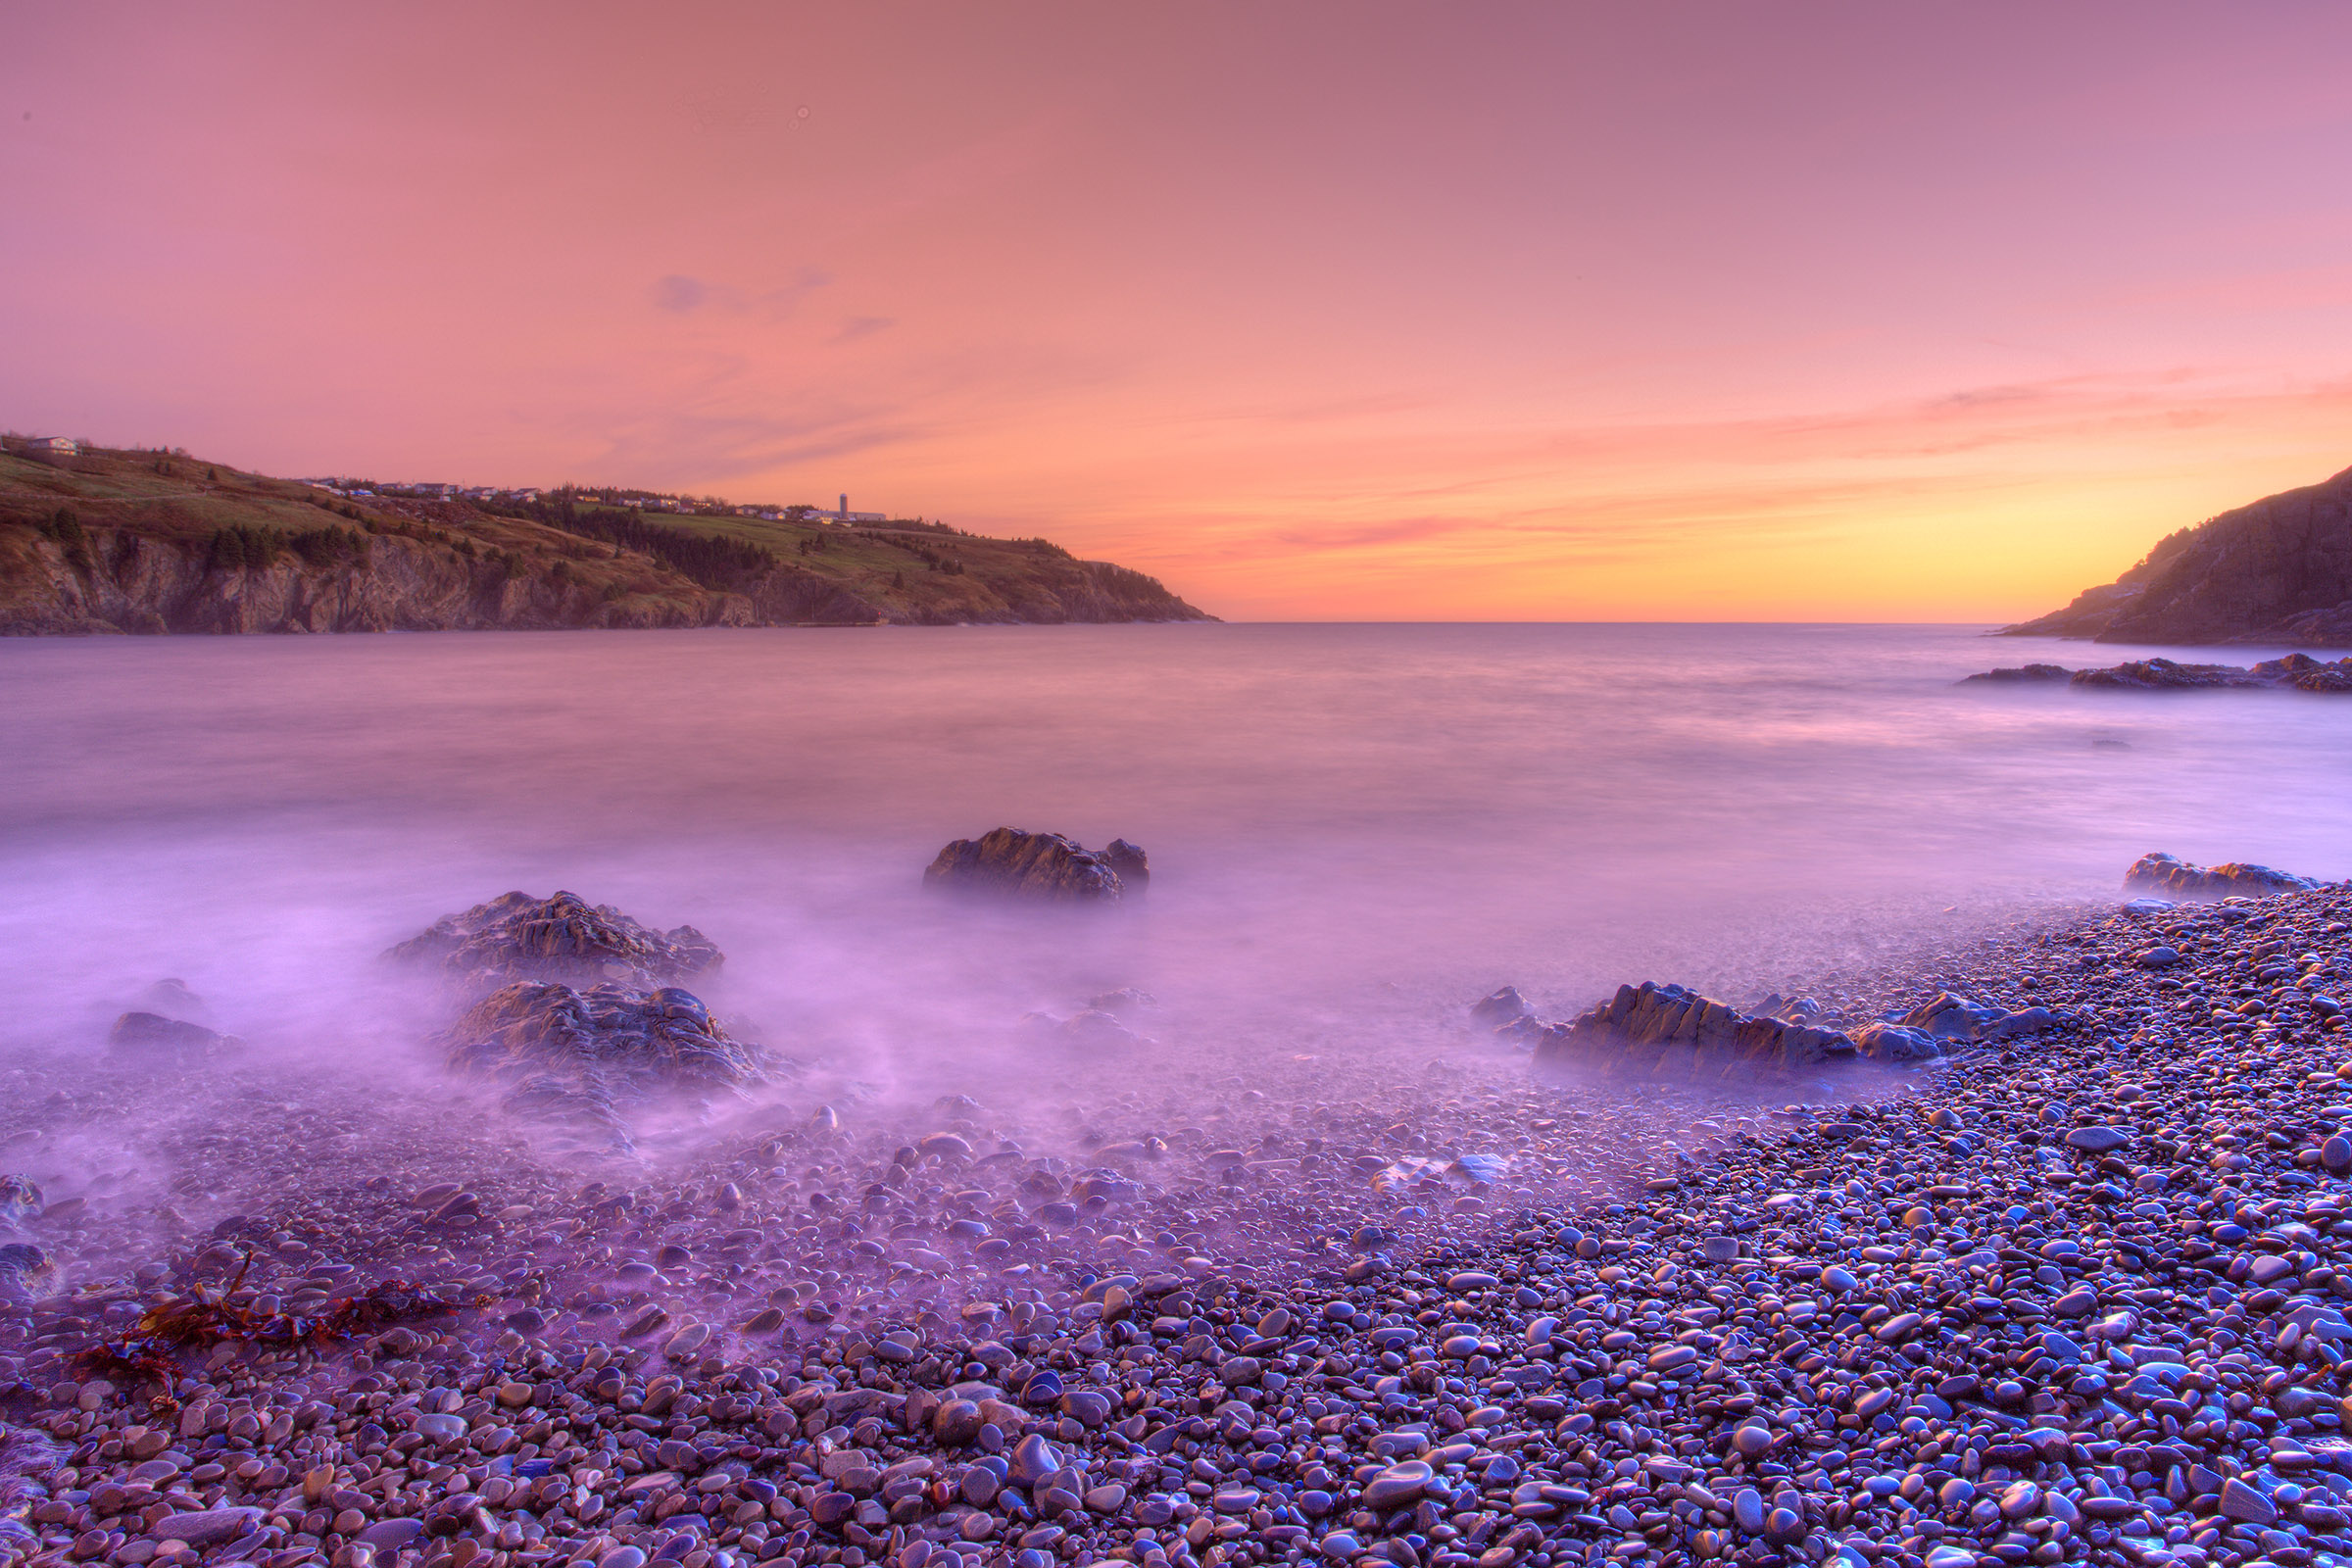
[2173,878]
[26,1456]
[152,1033]
[580,1055]
[26,1273]
[1089,1026]
[560,938]
[173,999]
[1655,1028]
[1046,866]
[19,1199]
[1125,1002]
[1500,1010]
[1133,865]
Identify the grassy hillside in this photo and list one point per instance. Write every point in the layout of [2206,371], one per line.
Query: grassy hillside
[179,543]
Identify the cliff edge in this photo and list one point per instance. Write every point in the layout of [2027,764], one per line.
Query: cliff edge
[103,541]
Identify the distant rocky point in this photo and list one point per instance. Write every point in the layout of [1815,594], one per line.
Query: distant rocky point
[1044,866]
[2277,571]
[2296,671]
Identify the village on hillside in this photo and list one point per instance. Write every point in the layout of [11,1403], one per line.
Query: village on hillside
[609,496]
[637,500]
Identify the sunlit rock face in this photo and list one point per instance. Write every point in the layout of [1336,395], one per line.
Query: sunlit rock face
[2168,876]
[561,938]
[1043,867]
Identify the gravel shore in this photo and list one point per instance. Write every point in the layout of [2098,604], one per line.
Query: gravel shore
[2075,1298]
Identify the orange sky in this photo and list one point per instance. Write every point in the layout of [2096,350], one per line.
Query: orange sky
[1316,311]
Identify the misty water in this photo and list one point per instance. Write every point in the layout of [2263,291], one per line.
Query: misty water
[1353,830]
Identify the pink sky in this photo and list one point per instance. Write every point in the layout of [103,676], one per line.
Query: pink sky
[1317,310]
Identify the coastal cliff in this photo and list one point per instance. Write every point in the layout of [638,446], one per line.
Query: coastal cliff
[151,542]
[2277,571]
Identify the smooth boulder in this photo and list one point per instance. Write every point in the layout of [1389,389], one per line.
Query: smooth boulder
[1046,867]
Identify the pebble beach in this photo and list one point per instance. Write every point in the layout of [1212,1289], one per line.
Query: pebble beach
[2073,1298]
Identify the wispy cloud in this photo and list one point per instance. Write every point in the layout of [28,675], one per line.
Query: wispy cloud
[680,293]
[859,327]
[683,295]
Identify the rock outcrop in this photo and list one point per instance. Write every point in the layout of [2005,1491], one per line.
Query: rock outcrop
[2278,571]
[2168,876]
[2295,671]
[583,1056]
[560,938]
[1046,867]
[1655,1029]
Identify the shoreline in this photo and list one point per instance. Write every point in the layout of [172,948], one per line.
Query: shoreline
[1583,1379]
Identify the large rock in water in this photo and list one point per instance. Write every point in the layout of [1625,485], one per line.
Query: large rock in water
[1044,866]
[560,938]
[1668,1029]
[583,1055]
[2168,876]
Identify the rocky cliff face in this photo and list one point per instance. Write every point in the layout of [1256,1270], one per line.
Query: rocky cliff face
[2277,571]
[148,541]
[139,583]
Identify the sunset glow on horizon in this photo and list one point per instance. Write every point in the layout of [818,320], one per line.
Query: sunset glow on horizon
[1321,312]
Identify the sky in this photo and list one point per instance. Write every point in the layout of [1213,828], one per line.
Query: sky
[1740,311]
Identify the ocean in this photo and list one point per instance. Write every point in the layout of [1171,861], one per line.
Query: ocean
[1355,830]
